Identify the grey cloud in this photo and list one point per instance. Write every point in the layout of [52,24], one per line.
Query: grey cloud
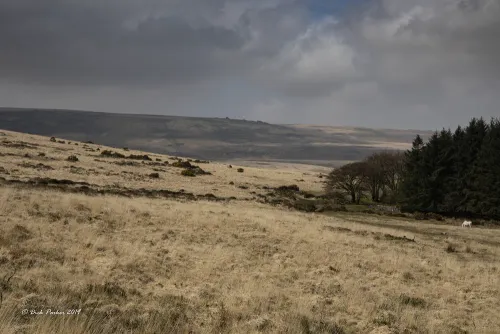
[89,43]
[415,62]
[427,64]
[409,47]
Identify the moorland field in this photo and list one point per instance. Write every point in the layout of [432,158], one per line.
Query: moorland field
[135,244]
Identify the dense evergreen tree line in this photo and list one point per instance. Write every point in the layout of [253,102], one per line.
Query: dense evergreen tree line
[455,173]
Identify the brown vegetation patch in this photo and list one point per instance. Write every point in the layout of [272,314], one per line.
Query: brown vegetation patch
[18,144]
[375,235]
[94,190]
[39,166]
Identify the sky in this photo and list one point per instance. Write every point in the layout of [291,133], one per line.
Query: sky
[408,64]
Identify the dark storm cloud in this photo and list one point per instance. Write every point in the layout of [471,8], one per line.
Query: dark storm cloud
[90,42]
[416,63]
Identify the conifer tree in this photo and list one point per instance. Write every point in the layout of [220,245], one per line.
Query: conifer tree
[411,188]
[436,164]
[455,183]
[485,181]
[474,136]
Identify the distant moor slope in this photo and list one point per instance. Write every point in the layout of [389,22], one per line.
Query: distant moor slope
[210,138]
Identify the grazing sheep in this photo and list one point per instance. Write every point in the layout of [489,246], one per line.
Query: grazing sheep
[467,223]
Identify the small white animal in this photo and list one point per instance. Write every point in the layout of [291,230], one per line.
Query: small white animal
[467,223]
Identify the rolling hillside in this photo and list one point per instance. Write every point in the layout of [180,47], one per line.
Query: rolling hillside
[219,139]
[98,240]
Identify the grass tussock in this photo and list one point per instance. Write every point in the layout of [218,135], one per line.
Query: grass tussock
[451,248]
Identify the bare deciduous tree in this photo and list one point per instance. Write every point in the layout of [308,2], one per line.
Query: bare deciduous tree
[349,178]
[375,175]
[393,171]
[379,174]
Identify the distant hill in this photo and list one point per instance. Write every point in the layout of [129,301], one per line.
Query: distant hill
[220,139]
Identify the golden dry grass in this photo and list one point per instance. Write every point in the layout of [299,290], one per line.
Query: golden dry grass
[141,265]
[105,172]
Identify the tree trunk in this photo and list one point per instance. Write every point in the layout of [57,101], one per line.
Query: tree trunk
[358,199]
[375,195]
[353,197]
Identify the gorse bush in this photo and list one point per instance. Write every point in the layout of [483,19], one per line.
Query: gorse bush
[144,157]
[111,154]
[182,164]
[188,172]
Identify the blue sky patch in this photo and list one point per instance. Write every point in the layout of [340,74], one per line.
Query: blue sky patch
[321,8]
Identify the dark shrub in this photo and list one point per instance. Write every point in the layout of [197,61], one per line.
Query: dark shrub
[182,164]
[126,163]
[420,216]
[199,171]
[111,154]
[308,195]
[340,208]
[188,172]
[140,157]
[240,170]
[154,175]
[435,216]
[287,191]
[53,139]
[72,158]
[304,205]
[337,197]
[451,248]
[398,214]
[41,154]
[293,187]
